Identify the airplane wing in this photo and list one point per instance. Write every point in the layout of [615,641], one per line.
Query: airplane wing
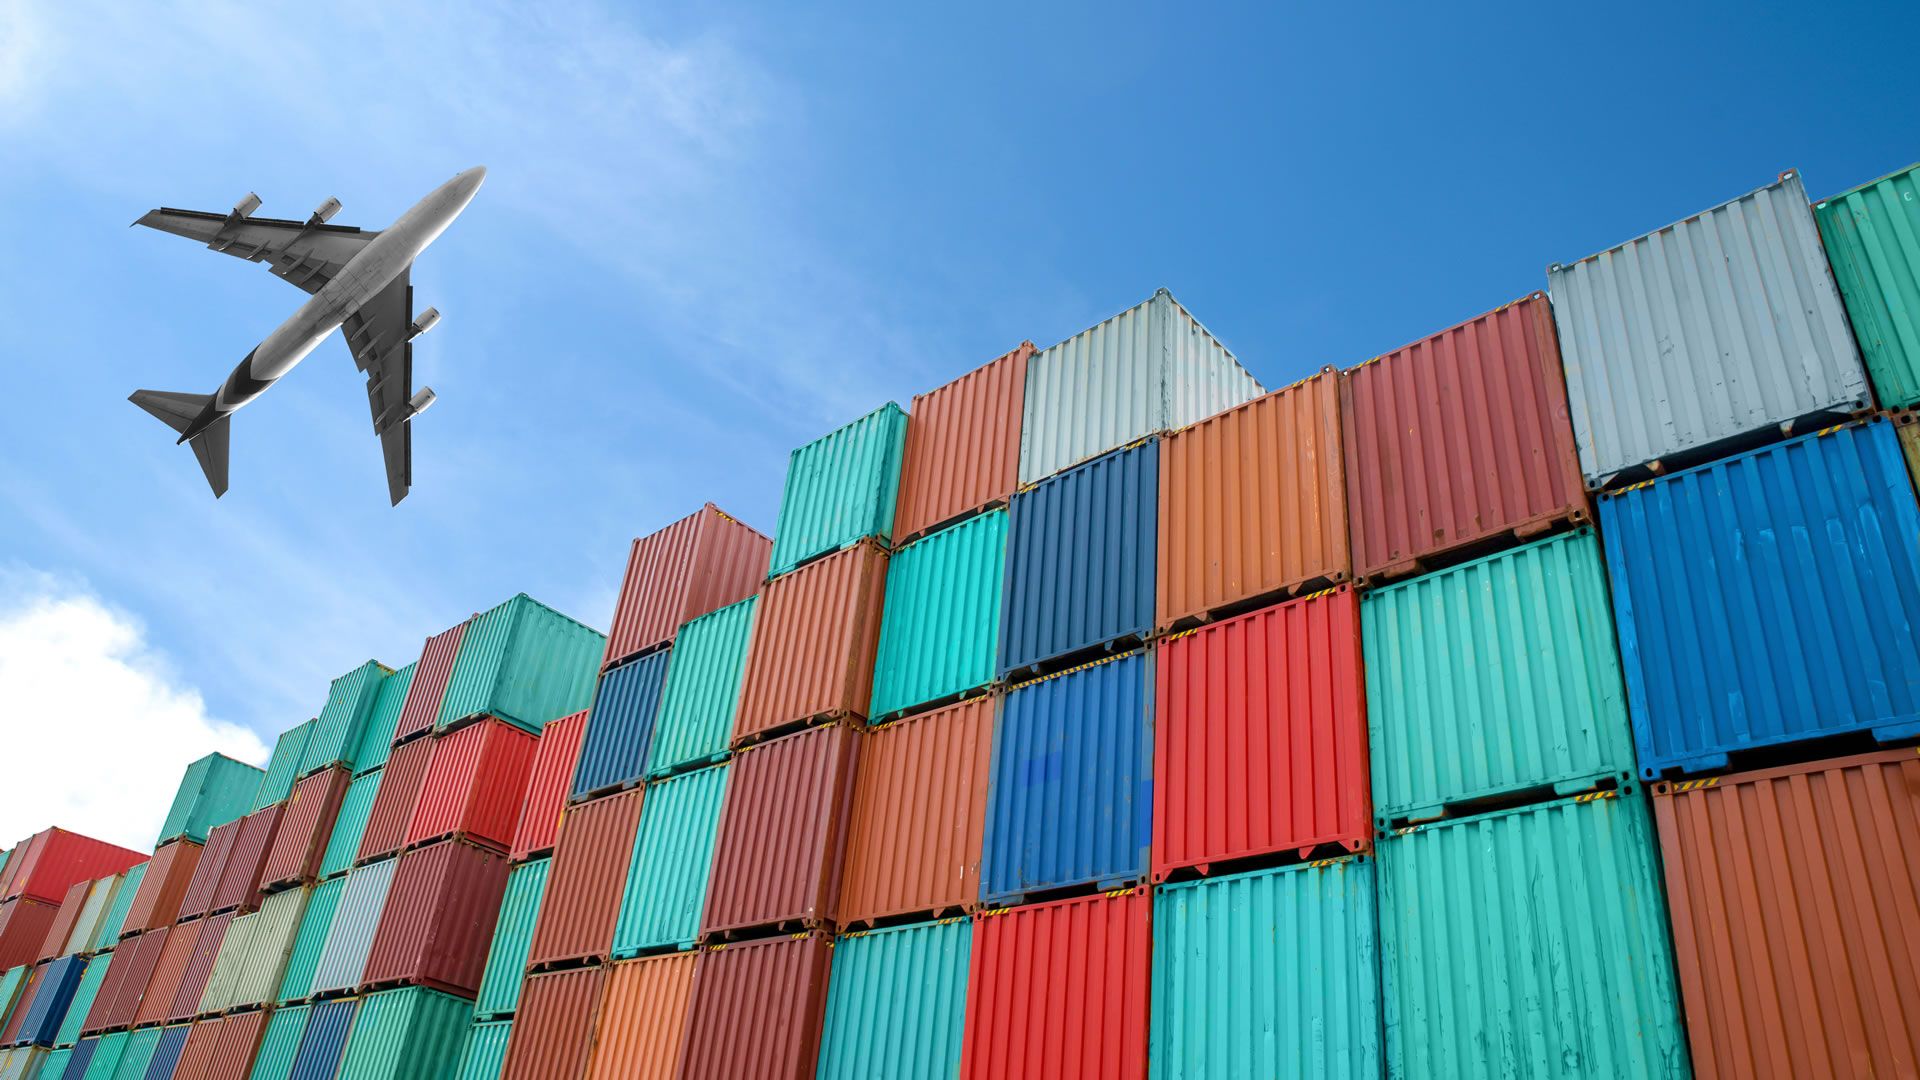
[307,253]
[380,336]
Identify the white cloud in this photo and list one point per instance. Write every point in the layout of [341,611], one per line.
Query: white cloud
[98,727]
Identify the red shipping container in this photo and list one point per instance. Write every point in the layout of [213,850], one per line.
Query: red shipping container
[198,896]
[119,962]
[439,919]
[429,685]
[552,1033]
[963,446]
[756,1010]
[156,1004]
[46,864]
[586,880]
[240,879]
[198,1052]
[695,565]
[782,834]
[306,823]
[1060,990]
[393,803]
[814,637]
[127,979]
[548,783]
[206,948]
[1260,736]
[475,785]
[166,886]
[63,919]
[10,1033]
[24,923]
[238,1039]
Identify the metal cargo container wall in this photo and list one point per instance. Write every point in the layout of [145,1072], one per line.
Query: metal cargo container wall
[666,885]
[23,926]
[499,993]
[1149,369]
[90,927]
[85,993]
[613,754]
[1019,1020]
[1796,897]
[1493,678]
[232,1056]
[896,1002]
[522,662]
[840,489]
[428,690]
[12,990]
[1252,504]
[342,722]
[1527,943]
[642,1018]
[698,564]
[405,1034]
[350,824]
[316,923]
[22,1004]
[276,930]
[813,644]
[216,988]
[155,890]
[64,915]
[54,1065]
[82,1059]
[484,1054]
[41,1017]
[306,824]
[157,1000]
[1710,329]
[200,964]
[1459,440]
[756,1009]
[438,919]
[1872,237]
[475,784]
[240,879]
[202,882]
[133,963]
[350,935]
[136,1053]
[939,633]
[1769,599]
[166,1053]
[54,859]
[376,738]
[394,799]
[1071,796]
[215,790]
[279,1042]
[695,723]
[583,886]
[553,1031]
[963,446]
[283,768]
[548,782]
[196,1055]
[324,1042]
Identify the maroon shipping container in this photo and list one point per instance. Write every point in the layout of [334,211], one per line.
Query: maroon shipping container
[240,879]
[552,1033]
[438,919]
[548,783]
[585,882]
[10,1033]
[156,1004]
[306,823]
[393,803]
[812,649]
[237,1039]
[206,948]
[168,885]
[429,685]
[782,835]
[695,565]
[63,919]
[756,1010]
[127,979]
[198,1051]
[475,784]
[24,923]
[198,897]
[47,863]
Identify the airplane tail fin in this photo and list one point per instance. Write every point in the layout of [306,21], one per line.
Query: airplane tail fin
[178,411]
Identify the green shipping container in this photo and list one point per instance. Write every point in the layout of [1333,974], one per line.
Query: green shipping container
[217,995]
[83,995]
[106,1057]
[407,1033]
[215,790]
[376,740]
[512,939]
[55,1066]
[1527,943]
[263,948]
[116,916]
[840,489]
[524,663]
[350,824]
[1494,677]
[486,1051]
[338,730]
[279,1043]
[1269,973]
[11,980]
[896,1000]
[672,857]
[296,982]
[703,688]
[136,1054]
[284,767]
[940,629]
[1872,237]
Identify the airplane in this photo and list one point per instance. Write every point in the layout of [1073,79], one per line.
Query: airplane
[359,281]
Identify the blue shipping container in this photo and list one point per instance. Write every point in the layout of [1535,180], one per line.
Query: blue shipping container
[82,1059]
[1080,558]
[620,725]
[51,998]
[328,1026]
[166,1053]
[1768,599]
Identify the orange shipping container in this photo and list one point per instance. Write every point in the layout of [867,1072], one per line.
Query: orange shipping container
[553,1029]
[157,902]
[756,1010]
[642,1018]
[584,885]
[813,645]
[1253,503]
[701,562]
[233,1050]
[963,446]
[782,837]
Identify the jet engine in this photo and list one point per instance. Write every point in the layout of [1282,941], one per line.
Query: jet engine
[427,320]
[419,402]
[247,205]
[325,211]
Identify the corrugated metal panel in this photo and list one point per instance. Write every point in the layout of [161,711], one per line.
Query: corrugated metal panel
[499,993]
[940,631]
[548,783]
[215,790]
[643,1018]
[1908,427]
[1148,369]
[166,1053]
[61,928]
[896,1003]
[240,878]
[841,488]
[429,688]
[703,688]
[207,945]
[524,663]
[116,964]
[1459,438]
[485,1053]
[583,886]
[386,829]
[23,1063]
[1529,942]
[23,926]
[1713,327]
[1272,973]
[157,1001]
[1253,502]
[136,1054]
[280,1042]
[963,445]
[276,927]
[38,1020]
[82,1058]
[620,726]
[123,897]
[54,859]
[84,995]
[1796,898]
[666,886]
[407,1033]
[756,1009]
[11,986]
[198,1054]
[216,992]
[1494,677]
[814,639]
[237,1038]
[553,1032]
[306,825]
[355,920]
[203,879]
[435,929]
[350,824]
[695,565]
[316,922]
[1080,558]
[1260,736]
[54,1066]
[128,978]
[90,927]
[475,784]
[1872,237]
[283,768]
[1769,599]
[376,739]
[782,838]
[17,1009]
[1022,1020]
[329,1025]
[919,815]
[1071,796]
[342,723]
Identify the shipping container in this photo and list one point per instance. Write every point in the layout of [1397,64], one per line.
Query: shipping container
[16,1014]
[897,1002]
[524,663]
[963,446]
[398,793]
[1872,238]
[240,879]
[475,784]
[173,895]
[376,738]
[40,1018]
[666,882]
[1769,599]
[123,897]
[1458,441]
[216,990]
[1796,898]
[499,993]
[166,1053]
[1149,369]
[405,1034]
[1529,942]
[840,489]
[12,984]
[548,782]
[782,838]
[196,1055]
[698,564]
[583,885]
[324,1043]
[24,923]
[232,1057]
[1706,331]
[65,913]
[210,938]
[939,635]
[44,867]
[350,824]
[919,816]
[133,963]
[156,1003]
[1252,504]
[136,1054]
[1021,1019]
[350,935]
[280,1042]
[813,644]
[316,923]
[1070,798]
[643,1018]
[756,1009]
[306,825]
[22,1063]
[283,768]
[619,734]
[215,790]
[54,1066]
[553,1031]
[428,690]
[484,1055]
[85,993]
[702,693]
[276,931]
[117,964]
[342,723]
[439,918]
[90,928]
[82,1059]
[1080,560]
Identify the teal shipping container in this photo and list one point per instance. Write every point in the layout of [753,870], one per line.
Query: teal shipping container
[116,917]
[105,1062]
[376,739]
[12,981]
[940,628]
[897,1002]
[485,1053]
[136,1054]
[499,993]
[55,1065]
[840,489]
[350,824]
[82,1003]
[1494,677]
[1529,943]
[283,768]
[279,1043]
[524,663]
[672,856]
[296,983]
[1872,237]
[215,790]
[703,689]
[407,1033]
[342,724]
[1269,973]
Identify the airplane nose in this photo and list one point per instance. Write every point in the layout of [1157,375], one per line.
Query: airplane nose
[474,177]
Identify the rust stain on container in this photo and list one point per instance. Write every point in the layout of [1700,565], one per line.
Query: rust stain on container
[1795,898]
[782,836]
[813,644]
[547,785]
[429,684]
[756,1010]
[1253,502]
[475,783]
[438,919]
[305,825]
[240,879]
[553,1029]
[963,446]
[643,1017]
[701,562]
[590,857]
[169,873]
[393,804]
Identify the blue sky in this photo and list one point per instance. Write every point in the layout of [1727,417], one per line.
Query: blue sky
[713,232]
